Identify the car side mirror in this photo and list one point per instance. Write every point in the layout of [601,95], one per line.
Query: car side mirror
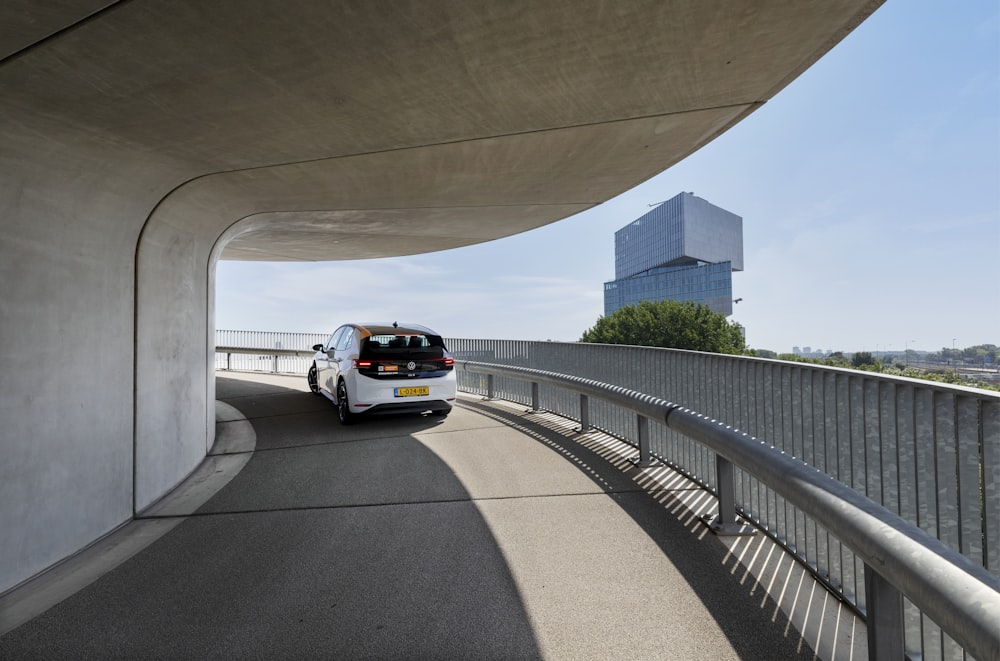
[317,347]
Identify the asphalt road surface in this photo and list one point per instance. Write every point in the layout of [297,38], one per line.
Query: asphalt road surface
[492,534]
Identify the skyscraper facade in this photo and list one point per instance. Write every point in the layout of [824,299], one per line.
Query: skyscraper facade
[685,249]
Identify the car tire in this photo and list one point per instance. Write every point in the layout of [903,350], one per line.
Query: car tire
[313,381]
[344,405]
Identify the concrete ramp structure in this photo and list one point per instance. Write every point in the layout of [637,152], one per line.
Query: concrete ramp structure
[142,141]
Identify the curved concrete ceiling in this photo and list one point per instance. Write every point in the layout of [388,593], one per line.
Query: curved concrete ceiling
[140,139]
[312,130]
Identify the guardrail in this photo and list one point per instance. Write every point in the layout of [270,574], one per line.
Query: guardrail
[265,351]
[277,340]
[927,451]
[270,355]
[899,558]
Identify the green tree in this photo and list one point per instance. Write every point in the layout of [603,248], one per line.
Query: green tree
[670,324]
[863,358]
[836,359]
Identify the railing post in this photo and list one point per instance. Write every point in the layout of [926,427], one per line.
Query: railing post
[534,397]
[275,368]
[726,522]
[584,414]
[645,458]
[229,358]
[884,618]
[489,386]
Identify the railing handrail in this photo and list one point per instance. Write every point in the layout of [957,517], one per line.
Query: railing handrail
[265,352]
[962,597]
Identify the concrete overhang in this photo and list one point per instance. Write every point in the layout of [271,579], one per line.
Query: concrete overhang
[306,130]
[140,140]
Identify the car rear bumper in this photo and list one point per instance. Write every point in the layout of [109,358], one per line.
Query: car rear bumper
[392,408]
[375,396]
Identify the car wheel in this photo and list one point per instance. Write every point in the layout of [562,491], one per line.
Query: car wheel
[311,377]
[343,405]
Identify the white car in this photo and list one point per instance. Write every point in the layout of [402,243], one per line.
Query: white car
[377,368]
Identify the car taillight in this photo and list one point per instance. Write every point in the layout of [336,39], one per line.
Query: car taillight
[449,361]
[359,364]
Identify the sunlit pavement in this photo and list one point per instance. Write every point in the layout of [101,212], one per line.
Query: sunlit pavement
[492,534]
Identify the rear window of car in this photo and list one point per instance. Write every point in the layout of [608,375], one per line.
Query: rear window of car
[377,346]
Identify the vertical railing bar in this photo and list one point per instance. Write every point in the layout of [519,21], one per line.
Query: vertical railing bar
[726,490]
[884,618]
[809,456]
[988,437]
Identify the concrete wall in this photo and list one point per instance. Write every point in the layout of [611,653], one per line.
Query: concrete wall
[172,421]
[72,209]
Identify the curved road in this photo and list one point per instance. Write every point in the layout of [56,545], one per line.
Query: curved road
[493,534]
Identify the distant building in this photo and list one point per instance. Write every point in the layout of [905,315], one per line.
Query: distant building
[796,350]
[685,249]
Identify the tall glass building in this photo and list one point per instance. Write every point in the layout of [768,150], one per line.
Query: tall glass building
[685,249]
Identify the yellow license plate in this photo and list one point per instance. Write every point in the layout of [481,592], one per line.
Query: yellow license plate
[413,392]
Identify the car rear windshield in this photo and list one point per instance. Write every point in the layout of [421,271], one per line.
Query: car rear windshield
[387,346]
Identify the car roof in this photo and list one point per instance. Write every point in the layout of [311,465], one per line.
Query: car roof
[386,328]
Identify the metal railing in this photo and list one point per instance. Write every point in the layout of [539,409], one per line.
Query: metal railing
[262,351]
[899,558]
[927,452]
[277,361]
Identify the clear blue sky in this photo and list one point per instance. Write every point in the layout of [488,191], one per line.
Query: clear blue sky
[869,190]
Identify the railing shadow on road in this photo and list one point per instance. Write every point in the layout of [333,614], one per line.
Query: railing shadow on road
[750,620]
[672,510]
